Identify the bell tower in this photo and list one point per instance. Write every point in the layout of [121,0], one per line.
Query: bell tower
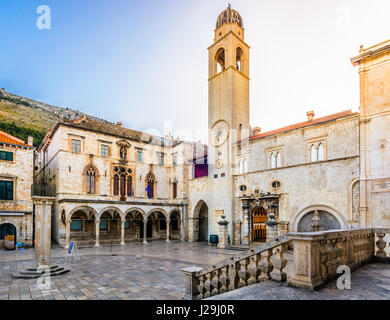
[228,111]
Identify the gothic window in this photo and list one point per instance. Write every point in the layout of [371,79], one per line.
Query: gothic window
[123,182]
[238,58]
[220,59]
[150,182]
[116,184]
[90,176]
[320,152]
[313,153]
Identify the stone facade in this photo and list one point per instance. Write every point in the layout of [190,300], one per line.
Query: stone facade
[16,170]
[64,163]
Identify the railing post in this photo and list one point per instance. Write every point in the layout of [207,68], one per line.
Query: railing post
[307,259]
[192,283]
[279,263]
[266,266]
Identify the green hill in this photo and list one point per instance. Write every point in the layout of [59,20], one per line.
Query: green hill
[23,117]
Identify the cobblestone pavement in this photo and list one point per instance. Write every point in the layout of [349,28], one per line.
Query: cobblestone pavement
[371,282]
[134,271]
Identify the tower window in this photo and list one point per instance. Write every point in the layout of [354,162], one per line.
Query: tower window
[220,58]
[238,58]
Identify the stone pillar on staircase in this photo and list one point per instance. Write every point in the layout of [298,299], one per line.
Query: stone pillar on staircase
[223,234]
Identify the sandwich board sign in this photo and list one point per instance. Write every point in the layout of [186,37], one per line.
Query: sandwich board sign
[72,252]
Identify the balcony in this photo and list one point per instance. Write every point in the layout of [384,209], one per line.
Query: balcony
[43,190]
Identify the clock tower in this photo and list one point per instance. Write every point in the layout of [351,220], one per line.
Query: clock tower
[228,112]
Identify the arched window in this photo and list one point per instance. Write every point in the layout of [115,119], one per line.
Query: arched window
[220,59]
[272,160]
[90,183]
[278,160]
[129,186]
[116,185]
[174,189]
[320,152]
[241,167]
[313,153]
[150,181]
[238,58]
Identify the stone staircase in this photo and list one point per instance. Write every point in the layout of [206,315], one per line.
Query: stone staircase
[33,273]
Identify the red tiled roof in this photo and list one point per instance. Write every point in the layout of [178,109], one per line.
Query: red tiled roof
[7,138]
[331,117]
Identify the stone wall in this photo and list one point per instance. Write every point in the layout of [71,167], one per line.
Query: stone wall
[18,211]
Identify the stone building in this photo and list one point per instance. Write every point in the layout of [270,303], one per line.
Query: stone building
[112,184]
[331,171]
[115,185]
[16,178]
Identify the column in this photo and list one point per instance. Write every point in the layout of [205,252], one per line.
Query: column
[123,231]
[168,223]
[97,229]
[145,231]
[43,206]
[67,242]
[245,225]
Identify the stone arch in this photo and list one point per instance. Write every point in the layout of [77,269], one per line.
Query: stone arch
[111,211]
[157,210]
[173,211]
[82,208]
[17,234]
[138,210]
[333,216]
[219,60]
[200,222]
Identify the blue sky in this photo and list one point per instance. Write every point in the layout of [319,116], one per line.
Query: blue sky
[145,62]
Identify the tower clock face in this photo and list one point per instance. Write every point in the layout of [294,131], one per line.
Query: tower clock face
[220,133]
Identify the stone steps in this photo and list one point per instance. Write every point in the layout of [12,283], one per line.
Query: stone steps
[32,273]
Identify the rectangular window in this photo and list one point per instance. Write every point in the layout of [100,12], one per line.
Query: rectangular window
[104,151]
[76,146]
[76,225]
[174,159]
[139,156]
[103,225]
[160,158]
[5,155]
[6,190]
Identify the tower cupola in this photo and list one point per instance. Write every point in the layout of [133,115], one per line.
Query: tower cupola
[229,15]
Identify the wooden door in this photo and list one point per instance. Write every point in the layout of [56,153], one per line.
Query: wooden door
[259,228]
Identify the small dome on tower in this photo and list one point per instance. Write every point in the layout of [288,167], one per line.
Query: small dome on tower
[229,16]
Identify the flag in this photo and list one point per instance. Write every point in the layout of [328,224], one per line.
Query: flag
[148,191]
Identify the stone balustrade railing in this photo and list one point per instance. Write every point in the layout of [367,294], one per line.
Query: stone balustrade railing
[317,255]
[258,264]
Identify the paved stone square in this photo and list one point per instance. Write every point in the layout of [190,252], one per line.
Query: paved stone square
[134,271]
